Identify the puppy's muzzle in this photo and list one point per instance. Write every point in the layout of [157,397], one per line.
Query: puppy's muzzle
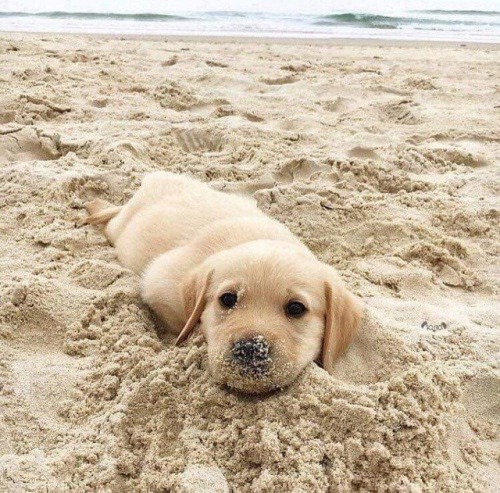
[252,357]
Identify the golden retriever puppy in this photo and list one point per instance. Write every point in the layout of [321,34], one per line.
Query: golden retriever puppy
[266,306]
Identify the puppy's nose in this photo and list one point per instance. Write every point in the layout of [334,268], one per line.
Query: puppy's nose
[252,355]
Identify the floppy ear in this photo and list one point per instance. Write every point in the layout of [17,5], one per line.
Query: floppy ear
[194,293]
[342,319]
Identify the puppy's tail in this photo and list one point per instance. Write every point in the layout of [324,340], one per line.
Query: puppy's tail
[100,211]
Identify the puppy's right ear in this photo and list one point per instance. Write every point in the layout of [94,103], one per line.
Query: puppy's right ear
[342,319]
[194,295]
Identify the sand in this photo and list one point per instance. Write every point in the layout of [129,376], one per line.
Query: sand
[381,158]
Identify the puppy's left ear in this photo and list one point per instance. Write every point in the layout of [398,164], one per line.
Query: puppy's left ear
[194,294]
[342,319]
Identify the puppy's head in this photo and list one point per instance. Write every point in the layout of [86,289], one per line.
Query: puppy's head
[267,309]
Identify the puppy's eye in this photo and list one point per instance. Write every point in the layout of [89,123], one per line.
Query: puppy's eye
[228,300]
[295,309]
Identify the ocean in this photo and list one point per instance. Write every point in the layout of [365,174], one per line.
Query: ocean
[464,25]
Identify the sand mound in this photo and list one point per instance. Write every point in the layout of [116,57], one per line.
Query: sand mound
[163,414]
[399,194]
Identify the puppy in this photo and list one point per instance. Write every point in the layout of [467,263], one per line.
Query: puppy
[266,306]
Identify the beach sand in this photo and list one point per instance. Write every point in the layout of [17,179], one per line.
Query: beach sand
[381,158]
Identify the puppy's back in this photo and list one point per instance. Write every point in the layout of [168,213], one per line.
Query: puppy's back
[168,211]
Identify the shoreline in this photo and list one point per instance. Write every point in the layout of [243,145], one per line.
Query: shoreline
[242,39]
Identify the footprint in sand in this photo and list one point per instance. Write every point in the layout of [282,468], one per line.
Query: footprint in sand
[197,140]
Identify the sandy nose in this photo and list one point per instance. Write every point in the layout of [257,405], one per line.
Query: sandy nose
[252,355]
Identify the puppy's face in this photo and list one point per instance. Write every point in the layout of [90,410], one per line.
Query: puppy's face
[263,308]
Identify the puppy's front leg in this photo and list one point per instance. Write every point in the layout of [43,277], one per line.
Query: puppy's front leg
[160,287]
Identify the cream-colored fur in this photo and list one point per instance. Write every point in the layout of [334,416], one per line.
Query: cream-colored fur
[191,244]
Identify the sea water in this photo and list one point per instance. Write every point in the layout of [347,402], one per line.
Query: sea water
[473,21]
